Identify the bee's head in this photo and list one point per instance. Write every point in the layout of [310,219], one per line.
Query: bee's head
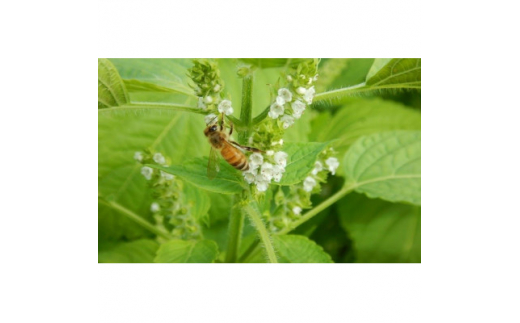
[210,129]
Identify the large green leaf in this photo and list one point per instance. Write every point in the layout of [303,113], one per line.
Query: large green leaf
[142,251]
[299,249]
[362,117]
[195,171]
[385,74]
[401,72]
[337,73]
[156,75]
[382,231]
[302,157]
[111,90]
[181,251]
[120,136]
[387,166]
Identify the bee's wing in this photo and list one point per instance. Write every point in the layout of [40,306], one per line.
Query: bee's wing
[213,168]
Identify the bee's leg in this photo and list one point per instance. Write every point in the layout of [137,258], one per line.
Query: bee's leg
[222,122]
[256,150]
[230,128]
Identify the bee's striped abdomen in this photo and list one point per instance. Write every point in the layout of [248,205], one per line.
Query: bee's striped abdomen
[235,157]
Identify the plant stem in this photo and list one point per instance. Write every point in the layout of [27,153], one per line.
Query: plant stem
[137,219]
[236,224]
[256,219]
[307,216]
[247,107]
[261,116]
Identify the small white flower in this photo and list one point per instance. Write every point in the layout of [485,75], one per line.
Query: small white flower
[309,95]
[155,207]
[256,159]
[333,164]
[167,176]
[309,183]
[210,119]
[225,107]
[276,110]
[208,99]
[298,108]
[147,172]
[315,77]
[269,152]
[287,121]
[318,167]
[159,159]
[249,177]
[280,100]
[285,94]
[310,81]
[278,172]
[261,183]
[138,156]
[302,76]
[216,88]
[281,158]
[297,210]
[289,78]
[280,142]
[250,140]
[301,90]
[267,171]
[201,104]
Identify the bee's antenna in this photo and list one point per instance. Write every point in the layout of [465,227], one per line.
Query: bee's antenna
[211,121]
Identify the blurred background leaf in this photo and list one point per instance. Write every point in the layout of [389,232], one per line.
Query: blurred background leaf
[138,251]
[192,251]
[381,231]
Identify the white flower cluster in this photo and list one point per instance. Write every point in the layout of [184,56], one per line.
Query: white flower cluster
[223,107]
[297,101]
[147,172]
[309,182]
[261,171]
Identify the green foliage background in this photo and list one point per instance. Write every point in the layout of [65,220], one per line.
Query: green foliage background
[368,110]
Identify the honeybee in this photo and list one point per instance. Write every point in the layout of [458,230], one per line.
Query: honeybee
[219,141]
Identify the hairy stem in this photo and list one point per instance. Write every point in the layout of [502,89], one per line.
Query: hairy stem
[306,217]
[236,224]
[261,116]
[256,219]
[247,108]
[136,218]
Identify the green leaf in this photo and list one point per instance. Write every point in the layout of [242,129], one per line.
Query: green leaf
[301,159]
[139,251]
[119,177]
[195,171]
[181,251]
[160,75]
[197,200]
[362,117]
[387,166]
[111,90]
[396,72]
[382,231]
[299,249]
[274,62]
[341,72]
